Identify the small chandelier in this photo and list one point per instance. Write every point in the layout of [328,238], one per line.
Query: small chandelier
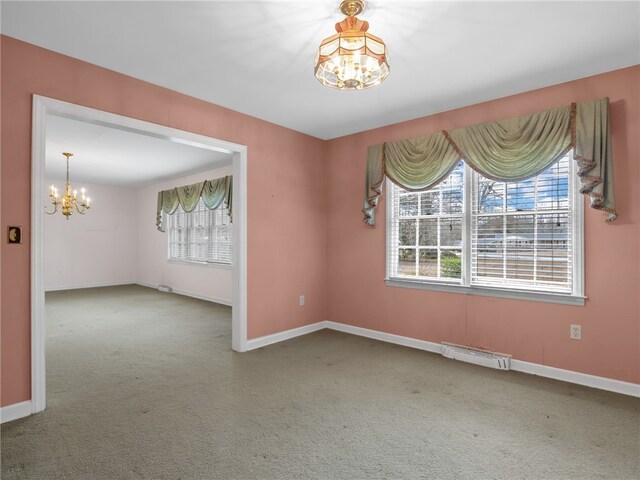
[352,59]
[69,200]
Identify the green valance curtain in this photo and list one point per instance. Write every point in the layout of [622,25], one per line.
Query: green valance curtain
[212,192]
[507,150]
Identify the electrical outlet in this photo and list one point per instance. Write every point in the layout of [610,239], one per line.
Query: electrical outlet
[575,332]
[301,299]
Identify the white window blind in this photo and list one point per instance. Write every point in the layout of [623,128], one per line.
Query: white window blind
[521,232]
[479,233]
[201,236]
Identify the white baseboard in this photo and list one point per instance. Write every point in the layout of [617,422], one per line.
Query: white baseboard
[593,381]
[15,411]
[209,298]
[286,335]
[386,337]
[90,285]
[602,383]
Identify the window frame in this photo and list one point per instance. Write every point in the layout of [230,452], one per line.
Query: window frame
[463,286]
[185,261]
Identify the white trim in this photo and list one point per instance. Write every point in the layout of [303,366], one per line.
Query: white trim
[499,292]
[224,266]
[467,224]
[386,337]
[43,106]
[602,383]
[38,324]
[15,411]
[593,381]
[286,335]
[239,254]
[208,298]
[578,259]
[91,285]
[389,227]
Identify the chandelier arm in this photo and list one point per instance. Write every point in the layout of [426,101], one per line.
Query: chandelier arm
[55,209]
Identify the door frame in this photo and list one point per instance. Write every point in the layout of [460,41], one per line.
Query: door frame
[43,106]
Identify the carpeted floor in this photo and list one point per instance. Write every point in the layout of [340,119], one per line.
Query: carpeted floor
[144,385]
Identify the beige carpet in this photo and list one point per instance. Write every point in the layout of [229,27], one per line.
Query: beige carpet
[144,385]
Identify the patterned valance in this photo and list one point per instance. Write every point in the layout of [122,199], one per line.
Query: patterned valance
[212,192]
[507,150]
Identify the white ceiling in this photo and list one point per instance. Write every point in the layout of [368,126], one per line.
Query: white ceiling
[256,57]
[109,156]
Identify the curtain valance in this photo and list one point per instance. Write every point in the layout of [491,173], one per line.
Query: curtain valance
[507,150]
[212,192]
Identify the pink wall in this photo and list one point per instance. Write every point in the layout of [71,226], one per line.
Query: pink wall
[212,282]
[93,249]
[286,204]
[305,230]
[530,331]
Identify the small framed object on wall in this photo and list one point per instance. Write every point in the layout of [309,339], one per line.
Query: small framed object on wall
[14,235]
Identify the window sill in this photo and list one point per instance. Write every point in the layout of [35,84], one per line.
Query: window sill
[224,266]
[513,294]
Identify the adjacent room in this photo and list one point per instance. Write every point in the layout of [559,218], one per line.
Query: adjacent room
[320,239]
[110,245]
[120,239]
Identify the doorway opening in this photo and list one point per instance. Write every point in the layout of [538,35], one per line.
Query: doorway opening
[56,112]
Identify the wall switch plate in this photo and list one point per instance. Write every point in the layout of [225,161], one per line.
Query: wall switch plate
[301,299]
[575,332]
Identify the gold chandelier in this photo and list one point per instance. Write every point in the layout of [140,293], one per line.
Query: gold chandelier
[352,59]
[69,200]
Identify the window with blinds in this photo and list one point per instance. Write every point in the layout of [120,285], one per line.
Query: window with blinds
[200,236]
[475,232]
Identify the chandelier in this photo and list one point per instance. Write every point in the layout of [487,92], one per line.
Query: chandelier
[352,59]
[69,200]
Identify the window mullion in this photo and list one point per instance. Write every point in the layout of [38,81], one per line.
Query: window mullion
[535,231]
[392,229]
[504,234]
[439,234]
[419,206]
[468,178]
[187,249]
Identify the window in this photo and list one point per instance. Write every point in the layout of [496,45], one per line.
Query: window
[200,236]
[481,236]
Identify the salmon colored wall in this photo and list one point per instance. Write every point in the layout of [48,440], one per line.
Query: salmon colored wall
[304,242]
[286,214]
[530,331]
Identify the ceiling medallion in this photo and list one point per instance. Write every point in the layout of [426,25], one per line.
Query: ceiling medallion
[352,59]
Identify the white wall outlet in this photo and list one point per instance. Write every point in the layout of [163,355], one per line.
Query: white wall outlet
[301,299]
[575,332]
